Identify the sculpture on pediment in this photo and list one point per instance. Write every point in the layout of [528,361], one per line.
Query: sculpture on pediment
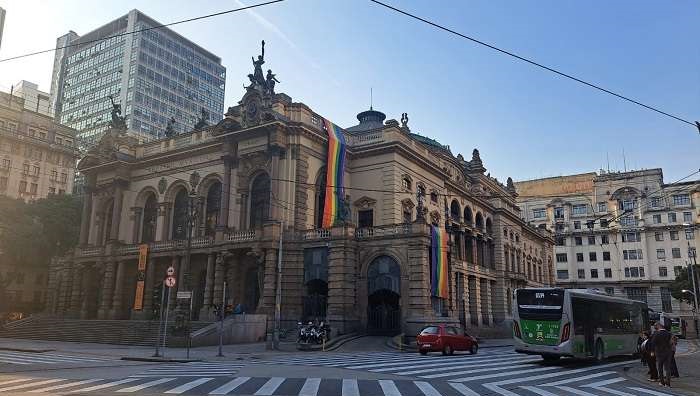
[118,121]
[170,127]
[202,120]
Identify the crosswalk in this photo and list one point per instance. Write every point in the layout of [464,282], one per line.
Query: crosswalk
[193,369]
[28,358]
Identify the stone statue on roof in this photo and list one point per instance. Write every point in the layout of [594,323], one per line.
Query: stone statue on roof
[258,77]
[118,121]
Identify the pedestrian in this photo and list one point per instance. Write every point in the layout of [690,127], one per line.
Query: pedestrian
[674,367]
[662,348]
[641,347]
[650,355]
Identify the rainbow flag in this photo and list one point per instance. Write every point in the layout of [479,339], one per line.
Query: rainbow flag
[438,262]
[335,170]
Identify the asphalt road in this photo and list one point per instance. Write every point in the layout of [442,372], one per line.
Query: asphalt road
[493,371]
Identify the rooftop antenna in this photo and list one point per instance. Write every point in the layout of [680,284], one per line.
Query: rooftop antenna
[624,160]
[607,156]
[371,99]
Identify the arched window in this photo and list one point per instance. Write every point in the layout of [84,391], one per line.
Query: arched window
[454,211]
[468,215]
[320,195]
[109,211]
[150,218]
[212,209]
[259,200]
[406,183]
[479,221]
[489,226]
[180,215]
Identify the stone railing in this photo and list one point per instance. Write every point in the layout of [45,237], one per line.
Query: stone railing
[316,233]
[240,236]
[128,249]
[164,245]
[381,231]
[367,138]
[202,241]
[90,251]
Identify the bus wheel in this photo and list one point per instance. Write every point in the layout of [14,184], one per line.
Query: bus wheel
[599,352]
[550,358]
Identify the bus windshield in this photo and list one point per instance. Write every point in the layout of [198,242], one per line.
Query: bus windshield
[540,303]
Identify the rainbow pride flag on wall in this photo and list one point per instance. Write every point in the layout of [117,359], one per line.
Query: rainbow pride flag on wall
[438,262]
[335,169]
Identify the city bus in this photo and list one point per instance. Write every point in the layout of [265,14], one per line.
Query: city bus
[672,323]
[578,323]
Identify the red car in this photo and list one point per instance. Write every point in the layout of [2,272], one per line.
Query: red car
[445,339]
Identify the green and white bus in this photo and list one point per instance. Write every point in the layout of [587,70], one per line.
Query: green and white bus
[579,323]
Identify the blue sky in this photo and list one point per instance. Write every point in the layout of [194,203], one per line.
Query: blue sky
[526,122]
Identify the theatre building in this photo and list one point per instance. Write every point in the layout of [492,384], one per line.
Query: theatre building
[215,202]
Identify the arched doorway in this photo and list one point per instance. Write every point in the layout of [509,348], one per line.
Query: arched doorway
[212,209]
[383,296]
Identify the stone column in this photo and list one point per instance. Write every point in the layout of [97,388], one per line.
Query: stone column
[164,212]
[342,312]
[219,277]
[485,302]
[474,301]
[208,287]
[270,282]
[136,216]
[475,252]
[85,286]
[275,152]
[117,210]
[117,299]
[74,310]
[64,292]
[225,196]
[148,287]
[86,217]
[107,291]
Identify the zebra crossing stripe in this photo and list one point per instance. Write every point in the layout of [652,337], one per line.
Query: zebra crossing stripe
[488,367]
[350,388]
[439,362]
[649,391]
[106,385]
[603,383]
[486,376]
[185,387]
[310,387]
[576,379]
[426,388]
[229,386]
[539,391]
[270,386]
[389,388]
[49,358]
[146,385]
[14,381]
[63,386]
[614,391]
[26,359]
[575,391]
[46,382]
[462,389]
[12,361]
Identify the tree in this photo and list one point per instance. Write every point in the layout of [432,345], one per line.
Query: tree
[684,282]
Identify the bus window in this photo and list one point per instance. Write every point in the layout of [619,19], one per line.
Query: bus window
[540,304]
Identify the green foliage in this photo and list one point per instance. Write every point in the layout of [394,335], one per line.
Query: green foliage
[32,233]
[684,282]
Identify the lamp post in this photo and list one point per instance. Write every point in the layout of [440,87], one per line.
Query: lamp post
[691,273]
[278,292]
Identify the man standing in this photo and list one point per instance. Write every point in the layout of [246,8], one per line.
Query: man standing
[662,347]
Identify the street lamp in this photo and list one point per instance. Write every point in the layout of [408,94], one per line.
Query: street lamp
[691,273]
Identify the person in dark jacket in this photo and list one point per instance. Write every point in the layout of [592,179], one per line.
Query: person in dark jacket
[650,355]
[674,367]
[662,348]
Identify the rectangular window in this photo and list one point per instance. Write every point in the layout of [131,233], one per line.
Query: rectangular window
[590,224]
[64,177]
[562,274]
[579,257]
[3,183]
[582,274]
[365,218]
[562,258]
[631,237]
[674,235]
[594,273]
[577,225]
[602,206]
[689,234]
[592,256]
[610,291]
[33,188]
[687,217]
[676,253]
[661,254]
[677,270]
[691,252]
[52,190]
[634,272]
[607,272]
[627,204]
[36,170]
[636,293]
[657,219]
[539,213]
[591,239]
[659,236]
[628,221]
[672,217]
[627,272]
[604,240]
[604,223]
[681,200]
[579,209]
[655,202]
[6,163]
[25,169]
[22,186]
[606,256]
[558,213]
[579,241]
[663,272]
[560,241]
[559,227]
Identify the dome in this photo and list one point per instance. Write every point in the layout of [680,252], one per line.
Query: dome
[370,119]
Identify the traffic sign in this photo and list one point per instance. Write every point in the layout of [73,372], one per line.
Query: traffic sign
[171,271]
[170,281]
[184,294]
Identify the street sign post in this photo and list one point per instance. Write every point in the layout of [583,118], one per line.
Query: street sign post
[170,283]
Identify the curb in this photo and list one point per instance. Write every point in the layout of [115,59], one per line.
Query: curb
[26,350]
[158,360]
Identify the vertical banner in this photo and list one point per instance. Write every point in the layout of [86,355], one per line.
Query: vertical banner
[141,277]
[335,170]
[438,262]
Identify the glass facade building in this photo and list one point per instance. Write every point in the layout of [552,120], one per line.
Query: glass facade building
[155,75]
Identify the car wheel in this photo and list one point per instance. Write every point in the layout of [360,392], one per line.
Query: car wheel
[448,350]
[474,349]
[599,352]
[551,358]
[423,352]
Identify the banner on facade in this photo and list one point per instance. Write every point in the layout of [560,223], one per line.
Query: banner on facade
[438,262]
[335,170]
[141,277]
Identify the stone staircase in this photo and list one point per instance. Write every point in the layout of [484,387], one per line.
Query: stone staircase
[120,332]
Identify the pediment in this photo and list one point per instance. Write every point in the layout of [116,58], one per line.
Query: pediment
[365,202]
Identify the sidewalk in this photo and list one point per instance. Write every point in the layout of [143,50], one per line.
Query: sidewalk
[688,363]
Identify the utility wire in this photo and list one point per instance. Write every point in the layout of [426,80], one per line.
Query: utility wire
[532,62]
[143,30]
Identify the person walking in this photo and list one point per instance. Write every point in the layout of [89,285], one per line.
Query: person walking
[662,348]
[650,357]
[674,367]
